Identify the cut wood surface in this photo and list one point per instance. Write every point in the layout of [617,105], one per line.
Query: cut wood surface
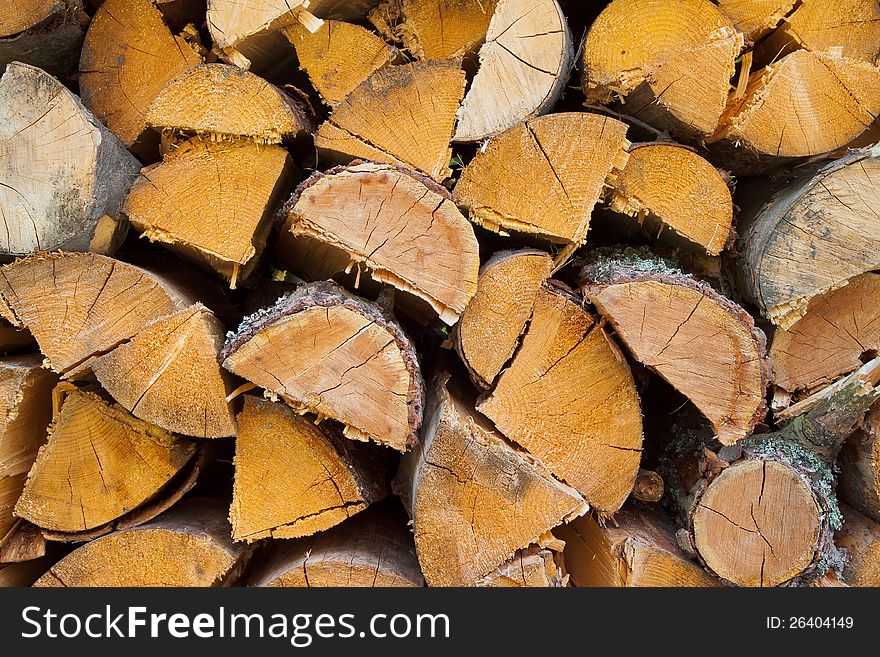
[474,498]
[859,483]
[361,368]
[861,536]
[402,115]
[675,186]
[544,176]
[294,478]
[754,18]
[43,33]
[396,223]
[51,198]
[532,567]
[568,361]
[648,487]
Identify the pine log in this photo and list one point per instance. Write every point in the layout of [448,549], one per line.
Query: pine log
[398,224]
[670,61]
[224,101]
[859,480]
[402,115]
[187,546]
[635,548]
[524,65]
[43,33]
[531,567]
[493,322]
[755,18]
[360,369]
[373,549]
[474,498]
[294,478]
[673,186]
[562,162]
[811,237]
[65,202]
[129,54]
[213,203]
[339,57]
[702,343]
[861,537]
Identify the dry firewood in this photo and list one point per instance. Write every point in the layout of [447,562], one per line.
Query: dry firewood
[755,18]
[674,186]
[702,343]
[398,224]
[339,56]
[67,202]
[373,549]
[100,463]
[474,498]
[360,369]
[129,54]
[187,546]
[671,62]
[213,202]
[402,115]
[562,163]
[491,326]
[24,542]
[43,33]
[648,486]
[636,548]
[222,100]
[859,481]
[568,397]
[861,537]
[531,567]
[294,478]
[812,236]
[524,65]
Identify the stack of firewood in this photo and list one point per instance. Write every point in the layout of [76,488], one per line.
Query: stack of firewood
[406,292]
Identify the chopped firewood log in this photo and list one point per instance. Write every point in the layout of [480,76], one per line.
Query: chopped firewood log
[490,328]
[167,374]
[755,18]
[339,56]
[635,548]
[100,463]
[568,397]
[861,537]
[811,237]
[373,549]
[396,223]
[671,61]
[43,33]
[25,413]
[129,54]
[524,65]
[563,162]
[402,115]
[70,203]
[360,369]
[648,487]
[294,478]
[222,100]
[23,542]
[187,546]
[702,343]
[531,567]
[474,498]
[859,481]
[674,186]
[225,225]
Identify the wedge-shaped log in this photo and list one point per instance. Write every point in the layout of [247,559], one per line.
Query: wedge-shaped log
[531,567]
[43,33]
[859,481]
[861,537]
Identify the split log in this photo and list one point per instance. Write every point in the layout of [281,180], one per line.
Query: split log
[294,478]
[360,369]
[213,203]
[861,537]
[401,226]
[474,498]
[99,464]
[50,199]
[811,237]
[524,65]
[702,343]
[670,62]
[187,546]
[568,397]
[225,101]
[562,164]
[43,33]
[636,548]
[532,567]
[859,480]
[373,549]
[755,18]
[129,54]
[339,57]
[675,187]
[490,328]
[402,115]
